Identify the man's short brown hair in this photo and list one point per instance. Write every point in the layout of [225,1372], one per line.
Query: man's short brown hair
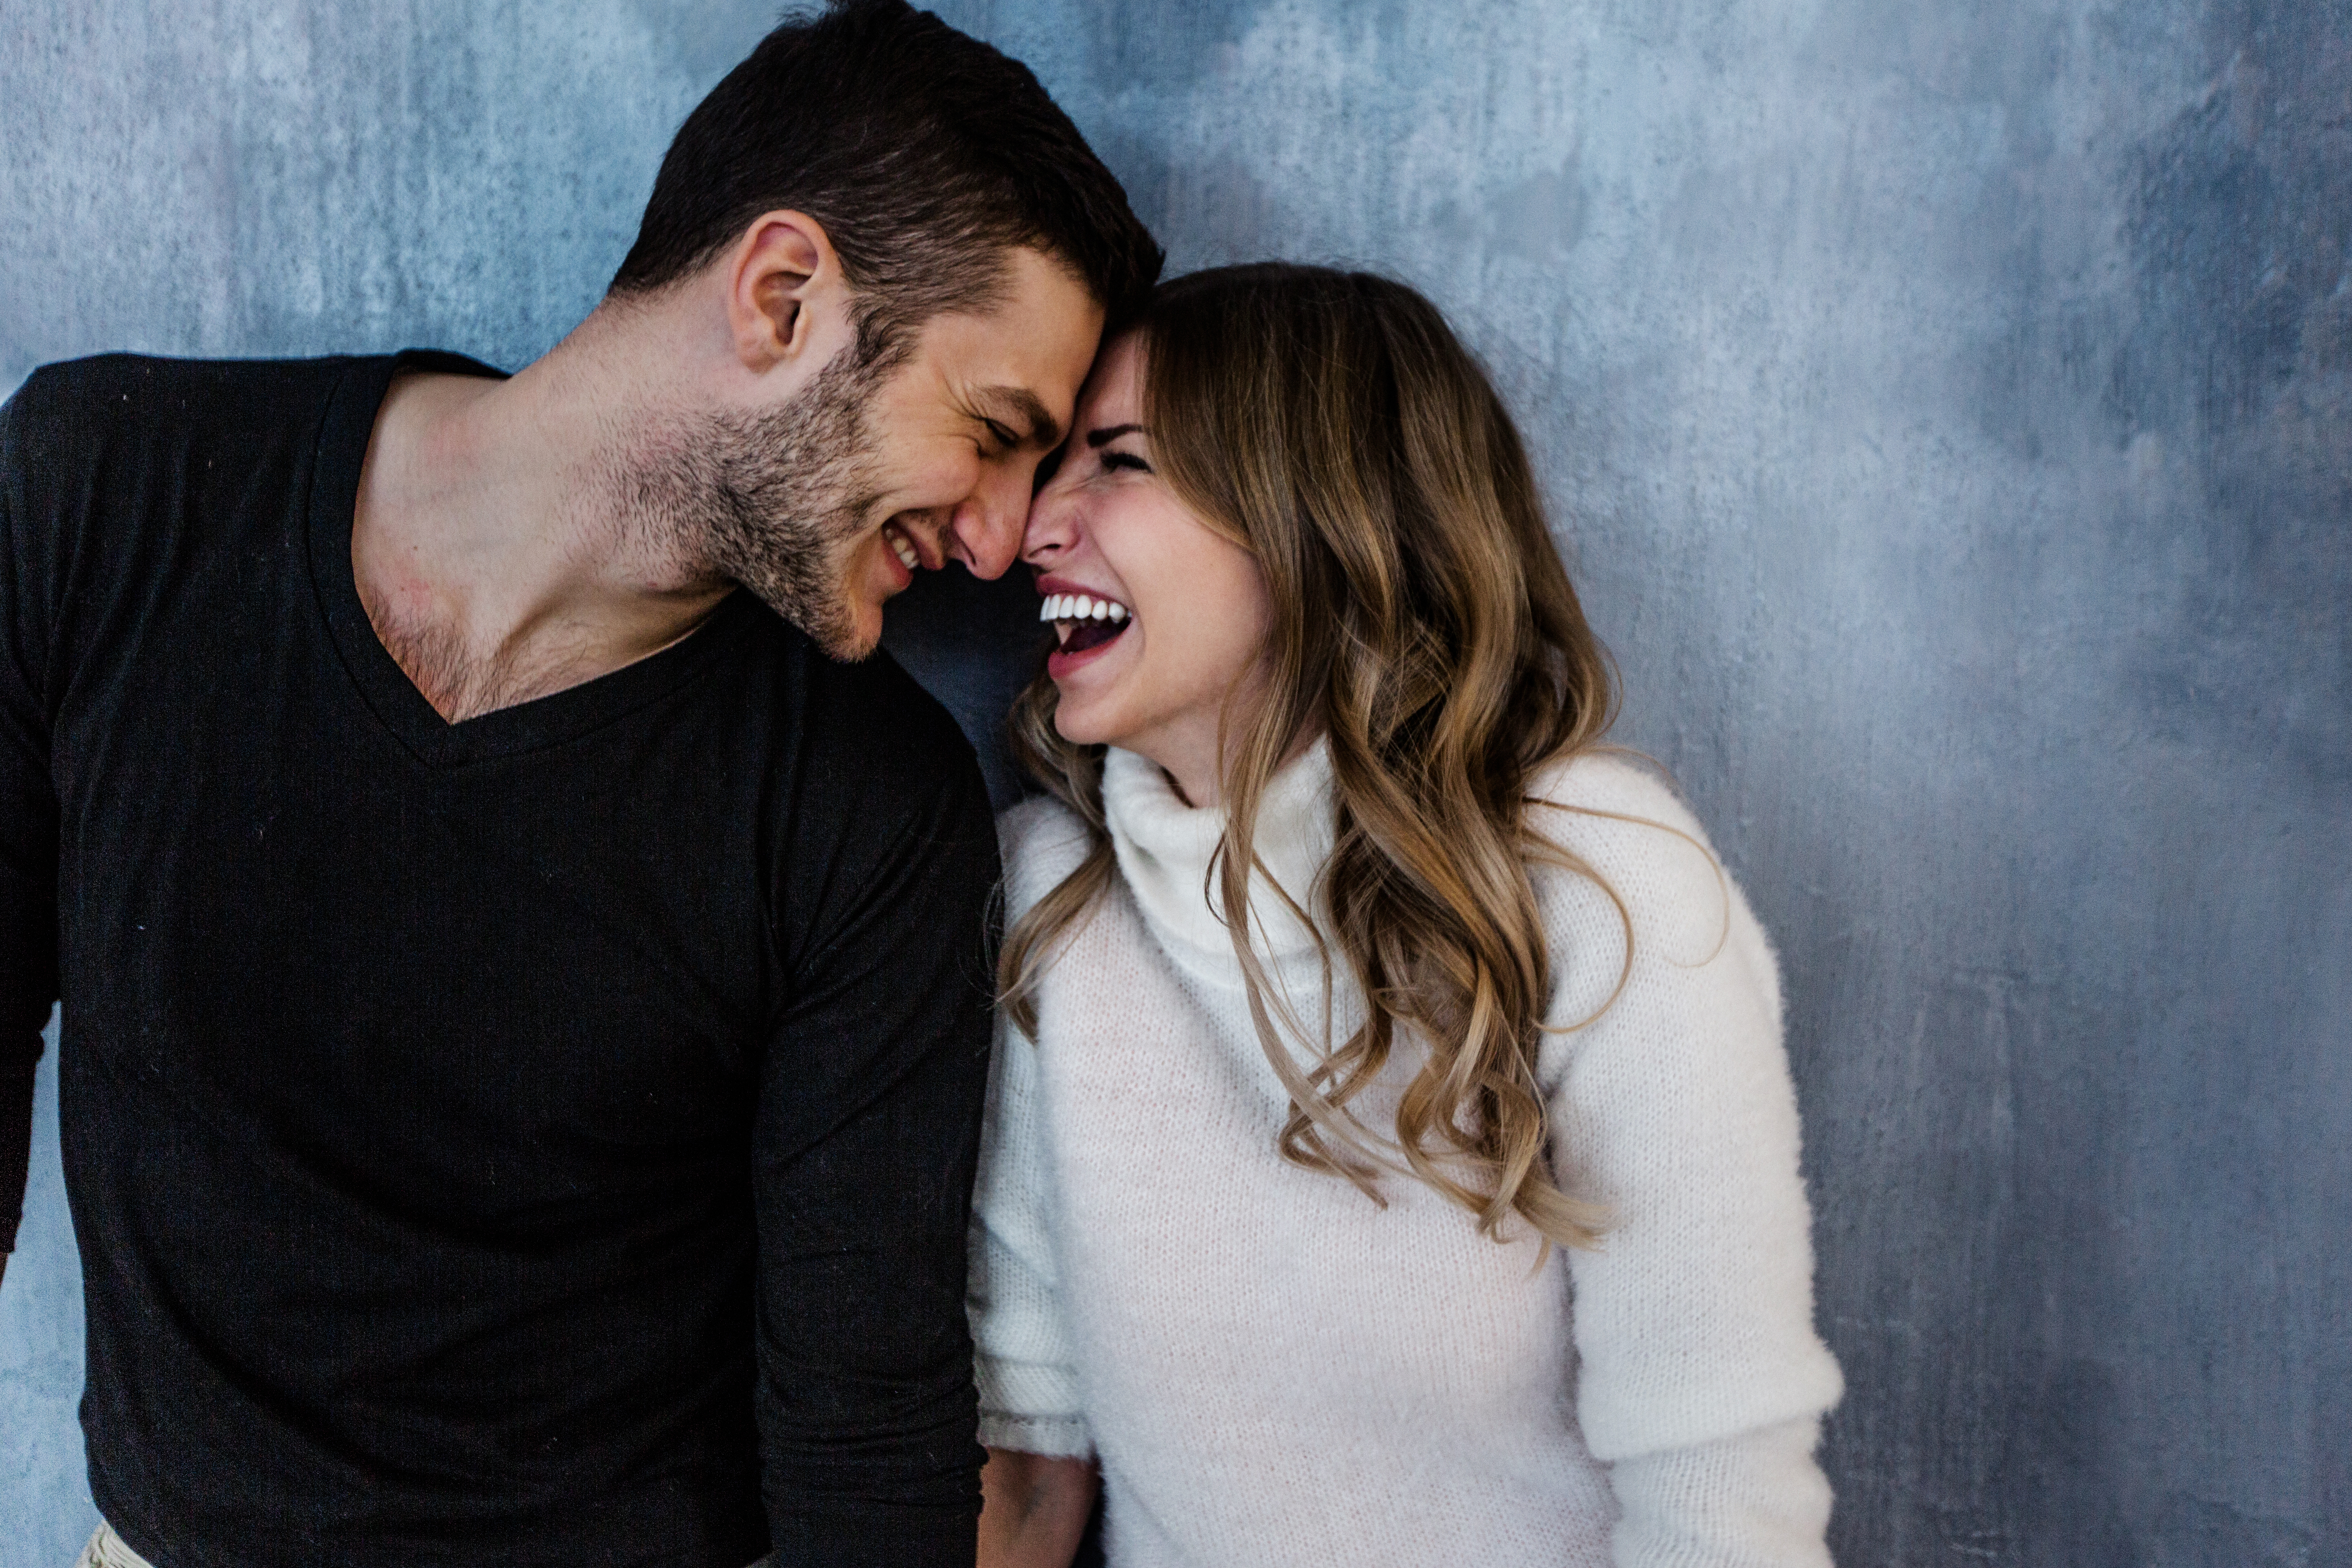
[925,153]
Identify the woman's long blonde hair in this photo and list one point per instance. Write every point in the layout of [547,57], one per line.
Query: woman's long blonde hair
[1332,424]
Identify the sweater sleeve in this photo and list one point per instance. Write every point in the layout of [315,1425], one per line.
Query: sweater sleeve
[1756,1500]
[1023,1356]
[1028,1385]
[1671,1105]
[29,810]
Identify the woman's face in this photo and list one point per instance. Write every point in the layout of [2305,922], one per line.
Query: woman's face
[1159,615]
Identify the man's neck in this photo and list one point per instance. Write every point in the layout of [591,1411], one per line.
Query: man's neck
[493,545]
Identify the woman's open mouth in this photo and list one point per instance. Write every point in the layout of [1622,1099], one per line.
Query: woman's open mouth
[1084,621]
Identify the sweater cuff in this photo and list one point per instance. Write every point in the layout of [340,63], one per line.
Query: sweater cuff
[1031,1407]
[1756,1500]
[1049,1436]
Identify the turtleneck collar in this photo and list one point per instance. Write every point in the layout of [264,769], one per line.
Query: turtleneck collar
[1164,848]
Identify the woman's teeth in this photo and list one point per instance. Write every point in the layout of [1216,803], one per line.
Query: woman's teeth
[1080,607]
[1081,621]
[903,548]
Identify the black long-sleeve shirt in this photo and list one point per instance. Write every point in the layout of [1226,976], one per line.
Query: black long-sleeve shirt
[538,1140]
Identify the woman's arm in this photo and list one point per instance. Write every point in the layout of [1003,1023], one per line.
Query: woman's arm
[1701,1377]
[1023,1356]
[1033,1508]
[1039,1483]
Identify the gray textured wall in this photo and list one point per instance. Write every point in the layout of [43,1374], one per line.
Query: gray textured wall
[1949,413]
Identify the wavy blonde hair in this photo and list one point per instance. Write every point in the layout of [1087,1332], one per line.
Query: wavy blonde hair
[1332,424]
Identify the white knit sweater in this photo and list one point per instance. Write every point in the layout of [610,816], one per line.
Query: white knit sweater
[1274,1370]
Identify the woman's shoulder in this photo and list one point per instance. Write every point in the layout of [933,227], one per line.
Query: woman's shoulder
[1618,807]
[1042,841]
[1633,862]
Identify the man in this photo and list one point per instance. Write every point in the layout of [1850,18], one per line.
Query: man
[525,1003]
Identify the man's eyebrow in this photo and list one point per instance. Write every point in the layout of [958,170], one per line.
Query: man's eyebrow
[1021,403]
[1110,433]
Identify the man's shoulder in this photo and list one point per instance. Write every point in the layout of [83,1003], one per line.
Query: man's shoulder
[110,384]
[871,791]
[869,733]
[874,699]
[110,408]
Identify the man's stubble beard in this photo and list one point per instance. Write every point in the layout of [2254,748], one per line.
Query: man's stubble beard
[776,501]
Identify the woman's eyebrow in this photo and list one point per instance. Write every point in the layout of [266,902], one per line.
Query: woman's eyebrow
[1112,433]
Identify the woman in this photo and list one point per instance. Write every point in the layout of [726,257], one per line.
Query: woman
[1391,1157]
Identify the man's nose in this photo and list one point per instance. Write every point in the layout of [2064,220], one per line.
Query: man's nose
[987,527]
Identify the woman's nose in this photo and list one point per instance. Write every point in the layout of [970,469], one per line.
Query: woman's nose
[1052,527]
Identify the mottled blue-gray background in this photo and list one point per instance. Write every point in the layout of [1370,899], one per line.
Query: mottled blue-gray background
[1949,412]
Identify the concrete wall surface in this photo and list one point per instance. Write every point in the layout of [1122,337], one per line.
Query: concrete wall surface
[1948,415]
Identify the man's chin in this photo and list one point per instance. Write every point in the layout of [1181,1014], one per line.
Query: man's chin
[851,651]
[843,630]
[851,633]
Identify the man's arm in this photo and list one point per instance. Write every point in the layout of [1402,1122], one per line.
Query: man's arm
[28,814]
[867,1134]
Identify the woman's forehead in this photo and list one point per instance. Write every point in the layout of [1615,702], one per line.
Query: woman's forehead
[1114,390]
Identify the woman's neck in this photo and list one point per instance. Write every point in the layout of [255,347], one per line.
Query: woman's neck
[1187,750]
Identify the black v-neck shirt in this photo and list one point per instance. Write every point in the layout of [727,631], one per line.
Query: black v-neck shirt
[540,1139]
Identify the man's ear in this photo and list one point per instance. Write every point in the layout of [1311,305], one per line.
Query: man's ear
[781,267]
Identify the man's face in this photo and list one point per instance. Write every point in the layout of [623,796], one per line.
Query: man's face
[827,505]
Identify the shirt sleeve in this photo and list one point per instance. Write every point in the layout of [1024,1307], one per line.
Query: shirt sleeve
[1673,1109]
[867,1132]
[28,813]
[1027,1369]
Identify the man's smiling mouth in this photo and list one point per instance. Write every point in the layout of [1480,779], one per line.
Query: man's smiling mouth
[1084,620]
[902,545]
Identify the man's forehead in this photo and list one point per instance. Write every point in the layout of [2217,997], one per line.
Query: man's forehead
[1031,391]
[1021,359]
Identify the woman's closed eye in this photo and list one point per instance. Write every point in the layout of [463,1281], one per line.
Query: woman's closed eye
[1126,461]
